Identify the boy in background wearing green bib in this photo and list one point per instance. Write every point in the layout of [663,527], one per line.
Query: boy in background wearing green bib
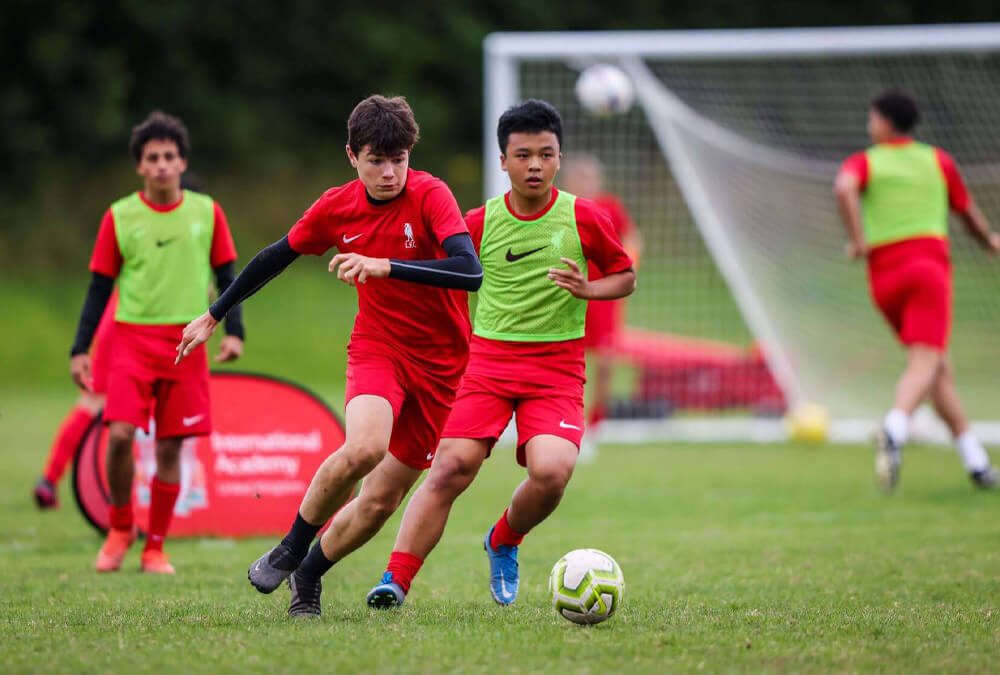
[162,244]
[526,355]
[894,200]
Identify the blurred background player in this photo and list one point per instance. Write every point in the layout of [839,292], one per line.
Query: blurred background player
[583,175]
[85,410]
[894,199]
[162,245]
[527,353]
[407,351]
[88,404]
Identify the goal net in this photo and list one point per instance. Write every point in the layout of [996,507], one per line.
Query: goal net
[746,303]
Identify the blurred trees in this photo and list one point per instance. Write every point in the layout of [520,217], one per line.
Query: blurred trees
[264,85]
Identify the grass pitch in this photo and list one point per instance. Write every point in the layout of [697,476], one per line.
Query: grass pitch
[737,558]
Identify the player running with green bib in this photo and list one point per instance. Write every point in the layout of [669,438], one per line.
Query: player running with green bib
[894,199]
[526,356]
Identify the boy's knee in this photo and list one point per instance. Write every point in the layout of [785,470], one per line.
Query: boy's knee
[362,455]
[120,436]
[451,473]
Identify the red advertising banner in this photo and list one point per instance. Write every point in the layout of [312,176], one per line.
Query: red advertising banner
[245,479]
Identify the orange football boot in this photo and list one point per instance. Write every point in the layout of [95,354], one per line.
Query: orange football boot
[156,562]
[116,545]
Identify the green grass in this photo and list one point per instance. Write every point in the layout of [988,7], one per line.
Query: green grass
[737,558]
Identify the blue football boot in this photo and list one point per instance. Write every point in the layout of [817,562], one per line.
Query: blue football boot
[503,571]
[386,595]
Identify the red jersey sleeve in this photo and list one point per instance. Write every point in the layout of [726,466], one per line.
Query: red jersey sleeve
[857,164]
[107,257]
[223,248]
[315,232]
[440,210]
[958,193]
[599,240]
[474,220]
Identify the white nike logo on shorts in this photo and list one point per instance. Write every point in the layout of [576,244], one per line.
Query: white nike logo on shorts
[188,421]
[348,240]
[430,456]
[563,425]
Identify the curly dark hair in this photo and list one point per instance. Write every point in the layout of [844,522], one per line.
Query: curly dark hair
[532,116]
[159,126]
[898,108]
[385,125]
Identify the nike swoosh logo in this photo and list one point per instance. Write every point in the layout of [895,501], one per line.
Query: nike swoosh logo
[503,587]
[348,240]
[164,242]
[563,425]
[188,421]
[514,257]
[430,456]
[256,567]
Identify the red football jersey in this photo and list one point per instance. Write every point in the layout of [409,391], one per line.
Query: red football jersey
[554,364]
[428,324]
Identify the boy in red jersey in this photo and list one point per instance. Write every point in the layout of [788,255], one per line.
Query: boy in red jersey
[395,228]
[584,177]
[89,403]
[162,244]
[527,353]
[894,201]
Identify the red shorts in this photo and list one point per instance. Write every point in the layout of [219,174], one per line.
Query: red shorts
[910,283]
[484,406]
[143,381]
[100,354]
[604,322]
[420,400]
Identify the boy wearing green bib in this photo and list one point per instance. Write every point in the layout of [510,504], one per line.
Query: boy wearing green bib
[894,200]
[163,245]
[527,353]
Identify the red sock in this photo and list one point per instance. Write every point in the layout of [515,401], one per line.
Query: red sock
[67,440]
[404,566]
[504,535]
[163,496]
[121,517]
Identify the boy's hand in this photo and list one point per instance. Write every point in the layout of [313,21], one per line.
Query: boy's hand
[573,280]
[854,250]
[195,333]
[993,243]
[354,268]
[79,368]
[230,349]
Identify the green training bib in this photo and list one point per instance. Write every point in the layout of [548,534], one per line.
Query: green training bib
[166,268]
[517,301]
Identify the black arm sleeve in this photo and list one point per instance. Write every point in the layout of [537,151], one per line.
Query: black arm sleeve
[224,275]
[266,265]
[93,308]
[461,269]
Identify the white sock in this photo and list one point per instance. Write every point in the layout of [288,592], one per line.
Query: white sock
[897,425]
[973,454]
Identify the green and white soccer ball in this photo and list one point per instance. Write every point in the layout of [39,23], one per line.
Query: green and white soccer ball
[587,586]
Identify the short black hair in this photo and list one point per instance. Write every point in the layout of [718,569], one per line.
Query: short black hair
[385,125]
[530,117]
[159,126]
[898,108]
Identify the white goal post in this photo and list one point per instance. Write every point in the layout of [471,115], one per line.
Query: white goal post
[727,162]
